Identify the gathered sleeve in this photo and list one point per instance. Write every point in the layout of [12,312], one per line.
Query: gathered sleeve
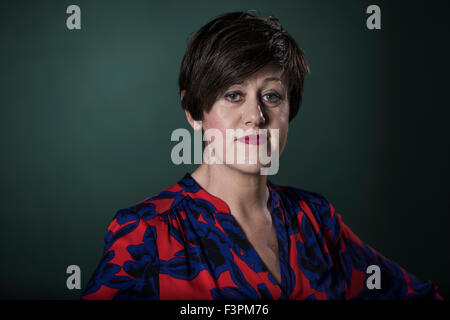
[360,264]
[129,266]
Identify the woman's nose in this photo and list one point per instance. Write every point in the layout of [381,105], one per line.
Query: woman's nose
[253,113]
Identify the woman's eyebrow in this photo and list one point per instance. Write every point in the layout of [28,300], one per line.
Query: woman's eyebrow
[244,83]
[272,79]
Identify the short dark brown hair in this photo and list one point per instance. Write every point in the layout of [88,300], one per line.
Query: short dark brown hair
[232,47]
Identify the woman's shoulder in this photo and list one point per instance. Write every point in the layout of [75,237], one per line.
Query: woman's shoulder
[299,194]
[316,206]
[153,207]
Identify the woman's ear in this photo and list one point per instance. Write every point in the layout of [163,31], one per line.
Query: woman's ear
[189,118]
[196,125]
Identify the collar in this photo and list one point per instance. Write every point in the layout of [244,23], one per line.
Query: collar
[191,188]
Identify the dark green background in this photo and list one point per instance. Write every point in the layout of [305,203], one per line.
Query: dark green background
[86,118]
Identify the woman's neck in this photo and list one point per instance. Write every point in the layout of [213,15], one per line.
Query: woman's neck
[246,194]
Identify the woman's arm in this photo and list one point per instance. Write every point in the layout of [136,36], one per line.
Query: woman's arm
[368,274]
[129,267]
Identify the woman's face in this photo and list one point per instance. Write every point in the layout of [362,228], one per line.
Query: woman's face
[259,102]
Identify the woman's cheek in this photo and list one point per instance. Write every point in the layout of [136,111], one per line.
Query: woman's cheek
[283,127]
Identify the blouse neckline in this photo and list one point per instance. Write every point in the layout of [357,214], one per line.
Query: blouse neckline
[195,191]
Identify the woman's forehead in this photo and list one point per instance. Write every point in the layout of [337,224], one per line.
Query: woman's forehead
[269,73]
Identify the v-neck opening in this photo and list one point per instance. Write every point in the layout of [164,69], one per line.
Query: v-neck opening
[274,204]
[259,257]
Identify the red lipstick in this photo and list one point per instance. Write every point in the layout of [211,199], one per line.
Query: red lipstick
[254,139]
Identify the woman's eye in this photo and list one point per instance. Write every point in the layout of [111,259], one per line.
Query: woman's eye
[272,97]
[233,96]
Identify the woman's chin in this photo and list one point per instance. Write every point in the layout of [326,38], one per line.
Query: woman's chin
[247,168]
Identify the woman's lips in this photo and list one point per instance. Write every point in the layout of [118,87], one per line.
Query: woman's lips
[254,139]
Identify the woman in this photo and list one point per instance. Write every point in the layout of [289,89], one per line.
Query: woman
[226,232]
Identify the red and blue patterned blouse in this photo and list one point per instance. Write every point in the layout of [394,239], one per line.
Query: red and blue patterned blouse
[185,244]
